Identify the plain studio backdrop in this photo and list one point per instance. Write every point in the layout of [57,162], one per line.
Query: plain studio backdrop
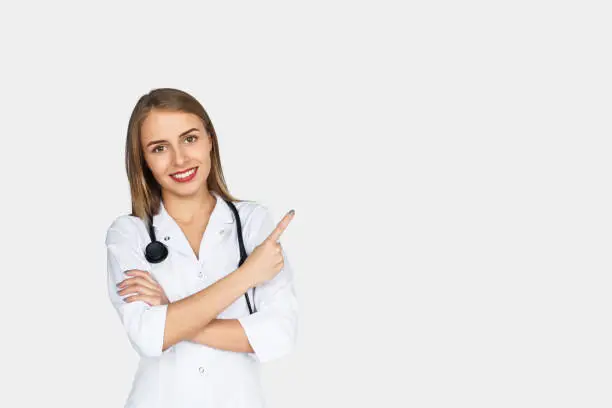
[449,164]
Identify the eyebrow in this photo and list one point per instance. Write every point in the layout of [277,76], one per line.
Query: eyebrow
[181,135]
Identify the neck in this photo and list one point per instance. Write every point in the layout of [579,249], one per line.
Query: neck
[185,210]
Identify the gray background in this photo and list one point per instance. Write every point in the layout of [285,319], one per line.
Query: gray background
[449,164]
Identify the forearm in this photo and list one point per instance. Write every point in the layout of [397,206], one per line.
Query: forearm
[224,334]
[189,315]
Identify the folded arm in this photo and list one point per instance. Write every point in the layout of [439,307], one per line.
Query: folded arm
[152,330]
[271,332]
[266,334]
[224,334]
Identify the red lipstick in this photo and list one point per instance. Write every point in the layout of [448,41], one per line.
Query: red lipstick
[192,173]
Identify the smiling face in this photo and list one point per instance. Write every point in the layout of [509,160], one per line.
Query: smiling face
[177,149]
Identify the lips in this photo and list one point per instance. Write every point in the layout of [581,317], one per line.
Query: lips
[184,176]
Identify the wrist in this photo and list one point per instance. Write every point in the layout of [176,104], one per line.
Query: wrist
[246,276]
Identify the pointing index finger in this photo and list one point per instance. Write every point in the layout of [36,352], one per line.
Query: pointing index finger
[281,227]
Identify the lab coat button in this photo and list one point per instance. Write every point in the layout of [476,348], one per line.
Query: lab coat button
[166,238]
[201,369]
[222,232]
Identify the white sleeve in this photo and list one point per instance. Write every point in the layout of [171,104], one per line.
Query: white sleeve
[272,330]
[144,324]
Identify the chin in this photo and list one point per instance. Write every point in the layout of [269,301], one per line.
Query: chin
[187,190]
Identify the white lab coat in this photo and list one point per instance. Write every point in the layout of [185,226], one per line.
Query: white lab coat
[190,374]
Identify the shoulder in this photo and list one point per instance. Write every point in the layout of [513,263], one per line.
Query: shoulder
[125,228]
[125,243]
[256,221]
[250,211]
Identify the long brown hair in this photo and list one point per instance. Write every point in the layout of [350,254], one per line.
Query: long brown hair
[145,190]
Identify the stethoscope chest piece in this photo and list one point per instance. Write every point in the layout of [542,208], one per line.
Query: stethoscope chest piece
[156,252]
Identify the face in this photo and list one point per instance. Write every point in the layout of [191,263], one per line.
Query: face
[177,150]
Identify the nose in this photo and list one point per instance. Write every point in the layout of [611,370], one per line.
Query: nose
[180,158]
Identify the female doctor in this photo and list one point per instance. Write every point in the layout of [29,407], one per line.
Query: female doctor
[200,322]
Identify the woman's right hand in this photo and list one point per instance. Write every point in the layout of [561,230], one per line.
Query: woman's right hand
[266,260]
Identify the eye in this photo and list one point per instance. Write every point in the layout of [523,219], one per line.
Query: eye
[155,149]
[192,137]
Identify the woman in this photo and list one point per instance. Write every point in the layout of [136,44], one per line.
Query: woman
[200,321]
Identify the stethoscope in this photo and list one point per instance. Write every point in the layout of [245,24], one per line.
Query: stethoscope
[157,252]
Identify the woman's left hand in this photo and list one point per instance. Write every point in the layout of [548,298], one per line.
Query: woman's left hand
[142,286]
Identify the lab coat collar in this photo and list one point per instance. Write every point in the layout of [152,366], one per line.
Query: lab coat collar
[169,232]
